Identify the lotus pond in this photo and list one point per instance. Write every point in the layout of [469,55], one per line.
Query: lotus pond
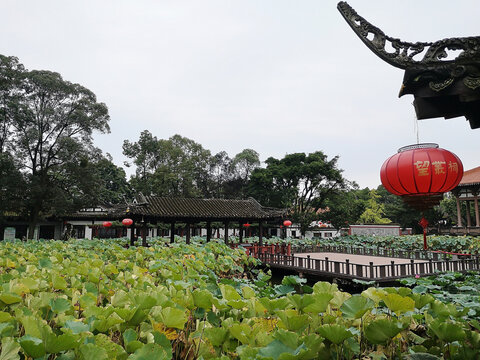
[98,300]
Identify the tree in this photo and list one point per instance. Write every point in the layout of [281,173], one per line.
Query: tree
[12,186]
[112,186]
[401,213]
[345,207]
[175,167]
[239,172]
[51,126]
[299,182]
[374,211]
[10,91]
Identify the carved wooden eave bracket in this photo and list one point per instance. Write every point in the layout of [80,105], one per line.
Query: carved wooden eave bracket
[442,87]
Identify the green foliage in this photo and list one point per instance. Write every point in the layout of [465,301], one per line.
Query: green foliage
[374,211]
[48,126]
[299,182]
[62,300]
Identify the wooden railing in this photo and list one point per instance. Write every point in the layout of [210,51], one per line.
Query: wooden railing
[254,250]
[379,273]
[372,251]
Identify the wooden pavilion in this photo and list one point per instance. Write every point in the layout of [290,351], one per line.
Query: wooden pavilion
[154,209]
[467,191]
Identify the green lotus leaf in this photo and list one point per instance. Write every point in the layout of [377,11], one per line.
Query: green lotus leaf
[150,352]
[399,304]
[32,346]
[237,304]
[129,335]
[92,351]
[145,301]
[382,330]
[10,349]
[293,280]
[229,292]
[447,331]
[443,310]
[288,338]
[282,290]
[335,333]
[203,299]
[320,302]
[421,299]
[325,287]
[77,327]
[114,350]
[60,305]
[4,316]
[55,344]
[292,320]
[45,263]
[120,299]
[248,292]
[10,298]
[6,329]
[104,325]
[137,317]
[173,317]
[32,326]
[217,336]
[276,349]
[58,282]
[422,356]
[356,306]
[242,332]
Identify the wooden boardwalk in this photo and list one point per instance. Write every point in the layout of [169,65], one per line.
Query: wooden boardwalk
[374,265]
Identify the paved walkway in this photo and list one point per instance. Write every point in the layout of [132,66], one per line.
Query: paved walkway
[358,259]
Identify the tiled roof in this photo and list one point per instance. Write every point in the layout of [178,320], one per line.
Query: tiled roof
[471,177]
[203,209]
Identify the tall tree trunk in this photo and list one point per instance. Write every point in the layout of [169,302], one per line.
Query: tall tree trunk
[34,214]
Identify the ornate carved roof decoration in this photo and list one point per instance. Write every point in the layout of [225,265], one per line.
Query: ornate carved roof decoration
[442,87]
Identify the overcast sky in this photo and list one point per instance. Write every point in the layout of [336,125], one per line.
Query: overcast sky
[275,76]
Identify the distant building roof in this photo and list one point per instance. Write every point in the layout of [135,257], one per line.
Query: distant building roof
[470,177]
[203,209]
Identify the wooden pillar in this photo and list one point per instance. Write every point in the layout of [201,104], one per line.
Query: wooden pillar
[225,236]
[188,230]
[132,233]
[459,212]
[209,231]
[144,234]
[260,233]
[240,234]
[172,232]
[469,222]
[477,214]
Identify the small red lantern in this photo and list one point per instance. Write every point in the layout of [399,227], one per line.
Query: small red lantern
[287,223]
[107,224]
[127,222]
[421,173]
[246,225]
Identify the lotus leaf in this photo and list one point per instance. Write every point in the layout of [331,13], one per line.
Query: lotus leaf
[356,306]
[382,330]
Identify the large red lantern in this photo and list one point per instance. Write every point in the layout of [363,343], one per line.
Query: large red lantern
[420,174]
[107,224]
[287,223]
[127,222]
[246,225]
